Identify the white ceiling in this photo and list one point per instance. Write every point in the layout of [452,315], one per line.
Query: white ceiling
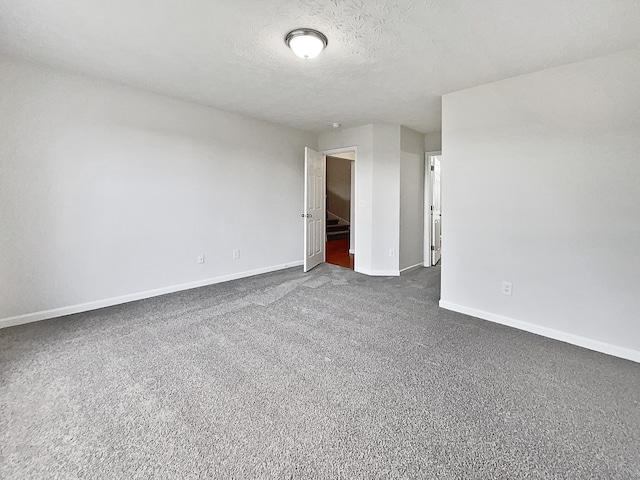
[387,61]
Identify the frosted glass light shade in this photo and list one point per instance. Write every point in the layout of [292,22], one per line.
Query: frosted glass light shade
[306,43]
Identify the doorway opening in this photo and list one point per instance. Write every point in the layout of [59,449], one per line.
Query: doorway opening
[340,209]
[433,209]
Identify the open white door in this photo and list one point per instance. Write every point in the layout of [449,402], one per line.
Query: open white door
[315,173]
[436,215]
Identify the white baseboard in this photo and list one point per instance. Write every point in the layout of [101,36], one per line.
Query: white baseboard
[352,251]
[412,267]
[379,273]
[602,347]
[85,307]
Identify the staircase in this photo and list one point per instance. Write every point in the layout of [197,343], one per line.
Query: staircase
[337,229]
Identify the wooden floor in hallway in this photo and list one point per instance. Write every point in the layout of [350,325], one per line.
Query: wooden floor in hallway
[338,253]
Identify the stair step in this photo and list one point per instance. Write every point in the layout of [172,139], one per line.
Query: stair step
[332,221]
[337,235]
[337,228]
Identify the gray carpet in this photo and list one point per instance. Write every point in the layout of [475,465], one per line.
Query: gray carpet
[329,374]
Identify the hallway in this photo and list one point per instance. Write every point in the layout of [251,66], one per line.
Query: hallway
[338,253]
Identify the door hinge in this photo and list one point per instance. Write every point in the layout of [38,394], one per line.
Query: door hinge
[433,168]
[432,208]
[432,247]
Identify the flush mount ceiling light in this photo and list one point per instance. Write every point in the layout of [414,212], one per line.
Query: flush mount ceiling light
[306,43]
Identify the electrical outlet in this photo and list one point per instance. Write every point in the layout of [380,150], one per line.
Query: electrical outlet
[201,258]
[392,252]
[236,254]
[507,288]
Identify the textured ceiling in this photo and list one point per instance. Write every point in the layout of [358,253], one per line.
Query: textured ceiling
[386,61]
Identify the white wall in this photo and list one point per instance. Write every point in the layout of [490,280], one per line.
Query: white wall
[433,142]
[351,155]
[339,187]
[107,192]
[377,184]
[411,198]
[362,139]
[540,188]
[385,202]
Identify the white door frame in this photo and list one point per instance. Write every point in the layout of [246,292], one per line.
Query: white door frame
[354,203]
[428,203]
